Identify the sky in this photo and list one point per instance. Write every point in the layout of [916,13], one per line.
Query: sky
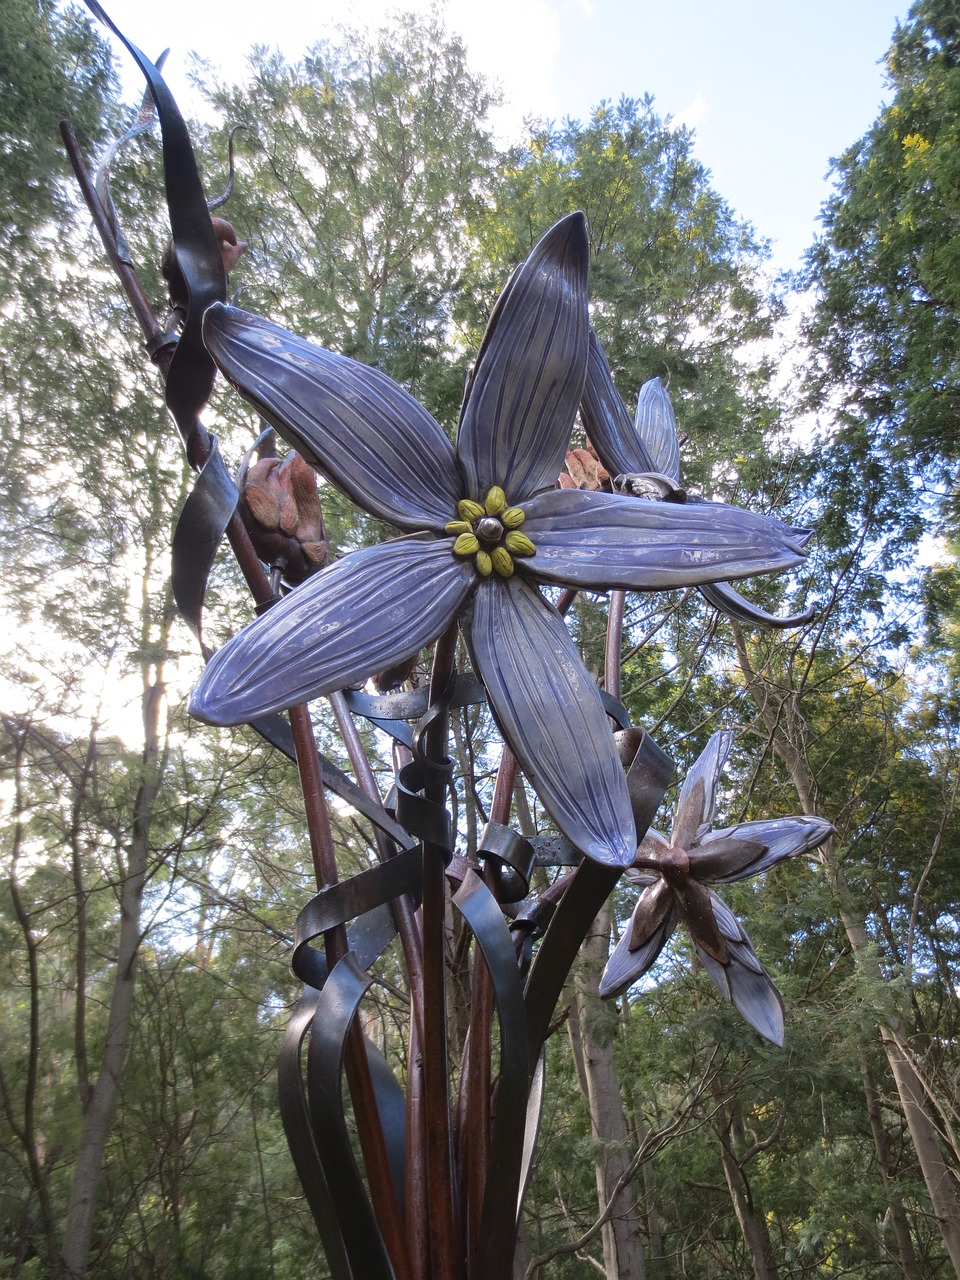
[773,89]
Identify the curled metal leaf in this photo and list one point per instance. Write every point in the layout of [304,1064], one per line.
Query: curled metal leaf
[723,597]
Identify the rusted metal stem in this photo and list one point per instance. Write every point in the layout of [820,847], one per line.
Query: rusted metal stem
[611,657]
[405,917]
[370,1131]
[446,1251]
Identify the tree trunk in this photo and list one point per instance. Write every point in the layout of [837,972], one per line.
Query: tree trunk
[593,1037]
[783,720]
[103,1094]
[908,1259]
[752,1228]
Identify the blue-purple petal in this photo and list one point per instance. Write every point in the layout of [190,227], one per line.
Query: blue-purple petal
[723,597]
[549,711]
[698,795]
[782,838]
[625,966]
[598,541]
[522,399]
[350,421]
[368,611]
[607,422]
[656,425]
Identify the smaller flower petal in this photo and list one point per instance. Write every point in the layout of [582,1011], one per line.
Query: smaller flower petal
[750,988]
[522,399]
[656,425]
[599,541]
[549,711]
[781,837]
[606,421]
[352,422]
[626,965]
[368,611]
[698,795]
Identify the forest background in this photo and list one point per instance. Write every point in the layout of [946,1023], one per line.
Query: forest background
[152,869]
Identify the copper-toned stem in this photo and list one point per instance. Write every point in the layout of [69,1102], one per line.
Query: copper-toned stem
[475,1098]
[445,1249]
[369,1129]
[567,597]
[405,917]
[611,663]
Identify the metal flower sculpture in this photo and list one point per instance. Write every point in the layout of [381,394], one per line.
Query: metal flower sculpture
[489,524]
[642,458]
[676,875]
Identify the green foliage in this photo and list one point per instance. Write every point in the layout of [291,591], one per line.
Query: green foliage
[885,325]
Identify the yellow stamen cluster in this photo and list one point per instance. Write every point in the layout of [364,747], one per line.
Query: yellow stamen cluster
[490,533]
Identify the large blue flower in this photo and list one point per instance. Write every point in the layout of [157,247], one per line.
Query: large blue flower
[486,523]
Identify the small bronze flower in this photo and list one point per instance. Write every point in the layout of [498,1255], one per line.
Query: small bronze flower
[676,875]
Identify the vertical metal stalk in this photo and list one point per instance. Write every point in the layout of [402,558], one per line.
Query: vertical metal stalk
[370,1132]
[446,1252]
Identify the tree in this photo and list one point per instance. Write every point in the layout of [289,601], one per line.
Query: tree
[884,328]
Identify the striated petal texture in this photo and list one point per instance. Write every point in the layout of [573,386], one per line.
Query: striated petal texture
[368,611]
[606,421]
[723,597]
[550,713]
[656,425]
[743,978]
[599,541]
[780,837]
[698,795]
[659,919]
[522,399]
[352,422]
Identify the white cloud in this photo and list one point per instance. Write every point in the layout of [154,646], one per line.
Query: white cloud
[693,114]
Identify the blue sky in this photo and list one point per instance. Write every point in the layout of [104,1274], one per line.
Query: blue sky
[773,89]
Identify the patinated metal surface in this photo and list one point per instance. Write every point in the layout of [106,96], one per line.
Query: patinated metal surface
[484,524]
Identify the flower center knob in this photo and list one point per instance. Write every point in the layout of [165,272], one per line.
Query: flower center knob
[490,532]
[489,529]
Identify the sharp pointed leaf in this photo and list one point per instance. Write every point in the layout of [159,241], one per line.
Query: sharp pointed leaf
[368,611]
[625,966]
[522,398]
[598,541]
[651,910]
[350,421]
[727,859]
[550,713]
